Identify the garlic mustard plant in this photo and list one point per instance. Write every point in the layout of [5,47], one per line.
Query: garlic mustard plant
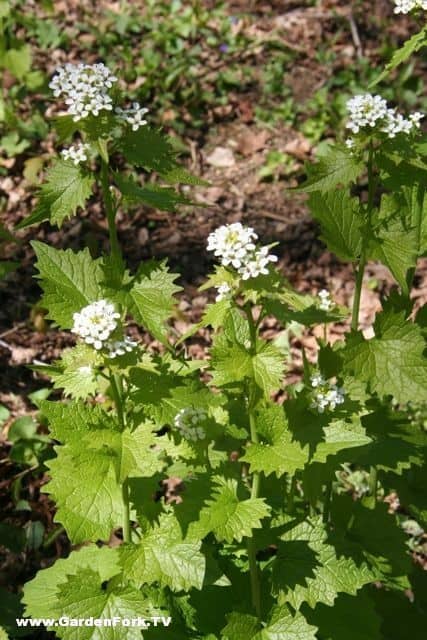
[241,503]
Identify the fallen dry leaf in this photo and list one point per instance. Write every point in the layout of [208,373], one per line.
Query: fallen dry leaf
[252,141]
[299,147]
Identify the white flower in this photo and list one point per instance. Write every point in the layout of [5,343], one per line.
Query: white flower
[133,115]
[188,421]
[326,301]
[257,264]
[327,395]
[405,6]
[120,347]
[76,153]
[223,290]
[366,112]
[349,143]
[317,379]
[96,322]
[85,88]
[232,243]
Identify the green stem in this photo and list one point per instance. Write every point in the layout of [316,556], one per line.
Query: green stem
[418,205]
[115,384]
[373,482]
[327,502]
[357,294]
[110,212]
[255,440]
[363,258]
[255,488]
[53,536]
[126,512]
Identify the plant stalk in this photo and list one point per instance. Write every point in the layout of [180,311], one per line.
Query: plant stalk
[126,512]
[111,214]
[117,393]
[115,384]
[363,258]
[373,482]
[327,502]
[253,566]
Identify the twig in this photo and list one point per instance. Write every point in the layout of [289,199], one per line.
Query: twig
[12,329]
[355,35]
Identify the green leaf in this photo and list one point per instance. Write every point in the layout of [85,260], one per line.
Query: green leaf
[414,44]
[4,8]
[232,362]
[337,167]
[277,453]
[396,443]
[153,195]
[408,619]
[308,569]
[340,435]
[152,296]
[18,61]
[70,421]
[340,222]
[227,516]
[351,617]
[180,175]
[394,242]
[89,503]
[133,452]
[77,372]
[70,281]
[41,593]
[65,127]
[164,393]
[375,535]
[240,625]
[163,556]
[67,187]
[84,596]
[392,363]
[285,625]
[149,149]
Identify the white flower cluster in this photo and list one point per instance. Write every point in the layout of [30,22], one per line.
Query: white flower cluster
[188,422]
[326,302]
[235,245]
[326,395]
[406,6]
[96,322]
[85,88]
[133,115]
[366,112]
[77,153]
[120,347]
